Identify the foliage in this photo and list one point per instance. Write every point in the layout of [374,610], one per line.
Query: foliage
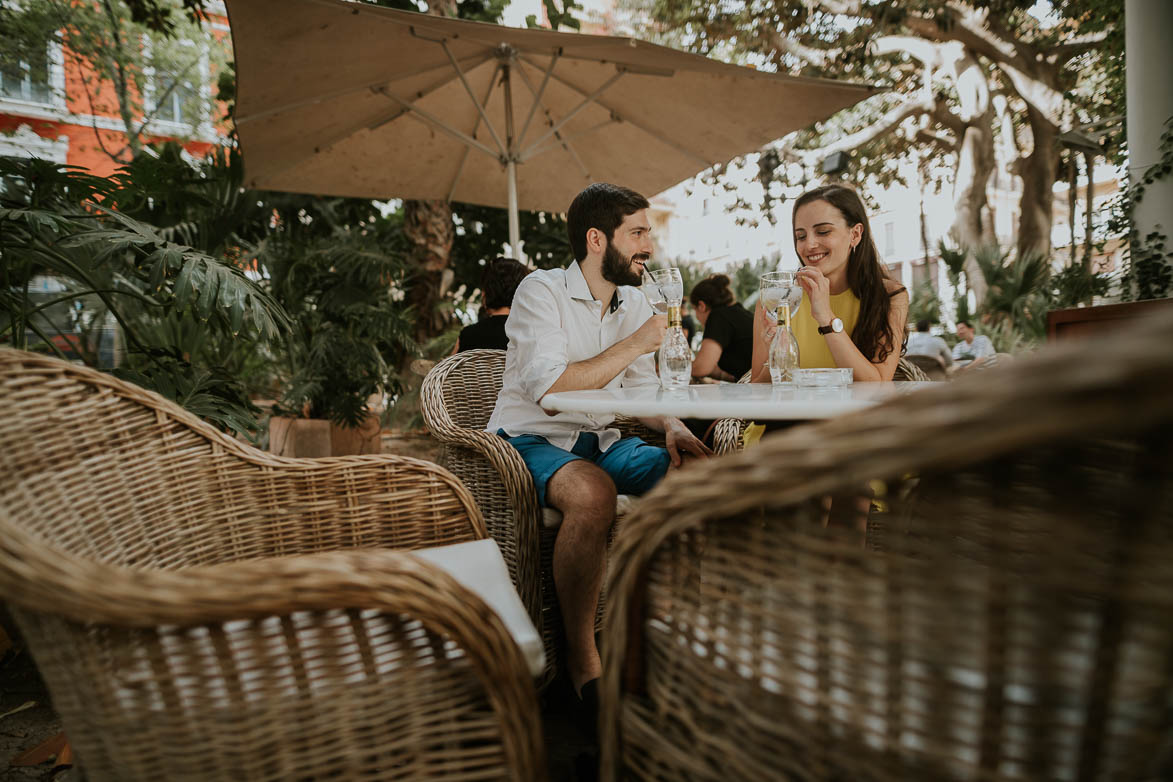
[954,260]
[147,54]
[1148,267]
[1016,299]
[558,18]
[341,282]
[54,221]
[966,79]
[925,304]
[1076,285]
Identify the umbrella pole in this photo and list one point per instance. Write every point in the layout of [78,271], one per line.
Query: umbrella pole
[514,228]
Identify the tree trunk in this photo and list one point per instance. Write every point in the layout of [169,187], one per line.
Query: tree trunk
[1038,171]
[972,224]
[1089,163]
[428,226]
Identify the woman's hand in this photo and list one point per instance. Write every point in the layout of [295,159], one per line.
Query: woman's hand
[764,324]
[816,286]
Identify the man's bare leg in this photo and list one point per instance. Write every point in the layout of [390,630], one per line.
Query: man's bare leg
[586,496]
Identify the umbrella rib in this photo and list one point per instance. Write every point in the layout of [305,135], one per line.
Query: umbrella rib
[565,142]
[473,98]
[439,123]
[659,135]
[537,96]
[588,100]
[475,61]
[382,118]
[467,150]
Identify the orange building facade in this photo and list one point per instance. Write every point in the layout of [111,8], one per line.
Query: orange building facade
[57,110]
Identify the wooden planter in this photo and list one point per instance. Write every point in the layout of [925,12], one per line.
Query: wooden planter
[314,437]
[1082,321]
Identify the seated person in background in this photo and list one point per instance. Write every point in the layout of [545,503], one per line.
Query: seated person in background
[922,343]
[687,324]
[498,284]
[852,314]
[727,340]
[973,349]
[586,326]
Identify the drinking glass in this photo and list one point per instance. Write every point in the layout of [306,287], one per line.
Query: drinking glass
[675,354]
[780,295]
[654,293]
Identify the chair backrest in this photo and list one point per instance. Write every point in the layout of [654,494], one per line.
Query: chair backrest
[109,471]
[1018,624]
[463,388]
[931,366]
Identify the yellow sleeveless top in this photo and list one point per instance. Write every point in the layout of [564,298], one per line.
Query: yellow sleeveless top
[812,346]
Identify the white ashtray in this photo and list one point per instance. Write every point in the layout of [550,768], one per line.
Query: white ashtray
[836,377]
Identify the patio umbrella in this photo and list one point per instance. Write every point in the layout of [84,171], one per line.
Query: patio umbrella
[344,98]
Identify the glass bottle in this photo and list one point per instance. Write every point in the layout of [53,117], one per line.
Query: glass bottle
[783,358]
[675,354]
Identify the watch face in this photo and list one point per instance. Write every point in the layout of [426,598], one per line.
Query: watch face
[836,325]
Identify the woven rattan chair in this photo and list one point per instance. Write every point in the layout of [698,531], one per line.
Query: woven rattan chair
[201,610]
[457,398]
[727,432]
[1016,625]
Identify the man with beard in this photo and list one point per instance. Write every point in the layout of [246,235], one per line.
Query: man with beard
[586,326]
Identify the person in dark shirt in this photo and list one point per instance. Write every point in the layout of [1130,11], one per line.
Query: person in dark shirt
[498,284]
[727,330]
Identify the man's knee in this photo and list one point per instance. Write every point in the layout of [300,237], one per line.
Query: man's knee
[582,489]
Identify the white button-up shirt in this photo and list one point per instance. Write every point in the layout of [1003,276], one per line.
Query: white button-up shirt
[555,321]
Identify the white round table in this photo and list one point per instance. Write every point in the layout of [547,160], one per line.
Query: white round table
[750,401]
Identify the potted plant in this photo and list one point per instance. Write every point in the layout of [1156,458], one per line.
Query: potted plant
[337,267]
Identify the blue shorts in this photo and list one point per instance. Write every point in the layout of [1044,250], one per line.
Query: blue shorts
[634,465]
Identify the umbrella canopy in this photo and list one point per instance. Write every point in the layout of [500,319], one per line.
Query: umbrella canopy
[343,98]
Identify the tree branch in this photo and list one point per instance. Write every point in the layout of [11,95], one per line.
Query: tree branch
[885,124]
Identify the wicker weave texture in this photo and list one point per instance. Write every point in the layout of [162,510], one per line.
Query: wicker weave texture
[457,398]
[727,432]
[204,610]
[1017,625]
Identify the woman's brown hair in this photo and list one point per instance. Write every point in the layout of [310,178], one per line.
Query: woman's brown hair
[865,275]
[713,291]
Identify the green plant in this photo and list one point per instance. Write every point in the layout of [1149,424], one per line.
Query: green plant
[954,260]
[341,280]
[925,304]
[56,222]
[1148,265]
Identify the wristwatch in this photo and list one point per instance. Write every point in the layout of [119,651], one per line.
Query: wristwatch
[835,325]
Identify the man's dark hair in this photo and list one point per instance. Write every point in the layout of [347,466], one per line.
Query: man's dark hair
[965,323]
[923,324]
[600,206]
[500,280]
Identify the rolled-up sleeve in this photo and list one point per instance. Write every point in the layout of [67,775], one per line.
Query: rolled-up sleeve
[536,331]
[642,371]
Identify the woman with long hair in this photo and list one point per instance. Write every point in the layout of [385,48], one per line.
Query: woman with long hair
[852,314]
[727,345]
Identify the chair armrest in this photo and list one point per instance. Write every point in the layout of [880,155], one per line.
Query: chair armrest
[302,506]
[631,427]
[520,537]
[394,583]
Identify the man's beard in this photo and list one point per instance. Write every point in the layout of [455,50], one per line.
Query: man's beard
[617,268]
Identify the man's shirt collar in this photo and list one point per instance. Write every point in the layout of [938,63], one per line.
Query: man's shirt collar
[576,285]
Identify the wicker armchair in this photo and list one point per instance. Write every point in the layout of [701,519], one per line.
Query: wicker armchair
[202,610]
[727,431]
[457,398]
[1017,623]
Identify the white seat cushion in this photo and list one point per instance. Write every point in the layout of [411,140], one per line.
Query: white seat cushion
[479,567]
[552,518]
